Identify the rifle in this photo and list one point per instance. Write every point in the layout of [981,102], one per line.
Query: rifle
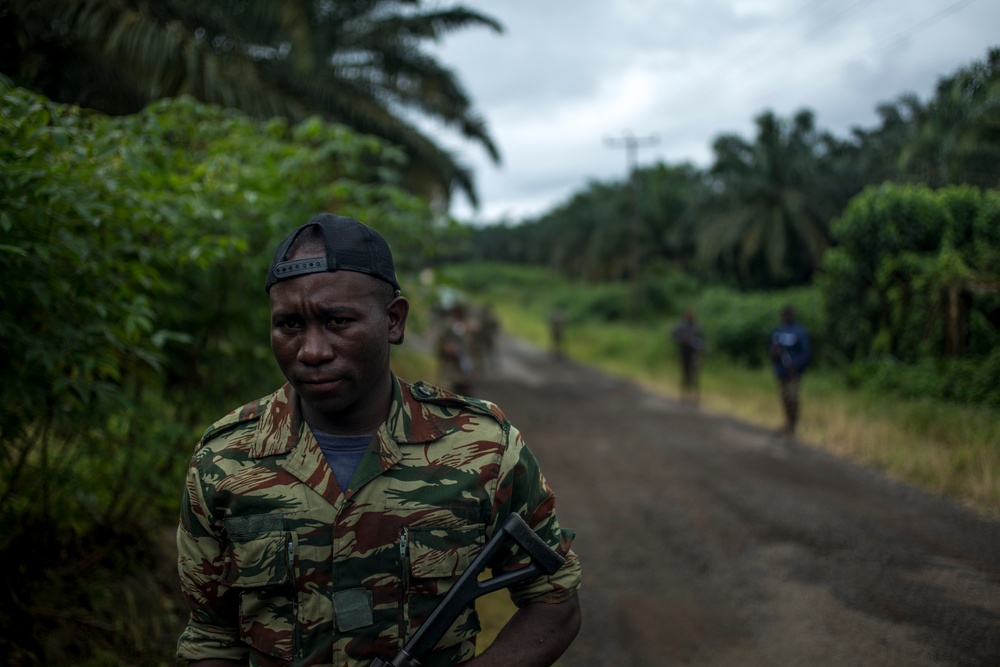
[544,560]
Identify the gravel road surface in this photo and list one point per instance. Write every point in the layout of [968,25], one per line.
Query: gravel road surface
[706,541]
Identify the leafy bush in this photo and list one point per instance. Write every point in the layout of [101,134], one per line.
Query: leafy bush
[488,280]
[131,271]
[667,291]
[915,275]
[605,302]
[965,381]
[737,324]
[664,292]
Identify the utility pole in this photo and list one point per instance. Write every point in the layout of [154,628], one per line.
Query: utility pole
[631,144]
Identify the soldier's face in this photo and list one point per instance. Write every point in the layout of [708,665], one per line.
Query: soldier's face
[330,334]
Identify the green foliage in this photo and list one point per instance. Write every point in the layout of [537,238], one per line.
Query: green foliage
[737,324]
[364,64]
[491,280]
[605,302]
[955,136]
[131,272]
[966,381]
[767,216]
[663,291]
[915,275]
[590,237]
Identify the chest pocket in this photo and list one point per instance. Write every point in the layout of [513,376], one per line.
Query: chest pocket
[438,555]
[260,565]
[444,551]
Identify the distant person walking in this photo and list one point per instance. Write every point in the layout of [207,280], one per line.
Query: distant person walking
[790,353]
[483,327]
[690,345]
[455,368]
[557,326]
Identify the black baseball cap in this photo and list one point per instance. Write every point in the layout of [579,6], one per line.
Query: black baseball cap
[350,246]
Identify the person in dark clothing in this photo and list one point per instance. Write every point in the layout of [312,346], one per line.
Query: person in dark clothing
[790,354]
[557,326]
[690,345]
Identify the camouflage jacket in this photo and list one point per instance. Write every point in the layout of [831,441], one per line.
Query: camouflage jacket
[280,567]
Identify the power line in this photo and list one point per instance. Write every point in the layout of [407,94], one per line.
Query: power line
[898,37]
[926,23]
[823,26]
[752,46]
[726,70]
[631,144]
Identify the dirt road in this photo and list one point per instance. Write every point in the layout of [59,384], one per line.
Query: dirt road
[709,542]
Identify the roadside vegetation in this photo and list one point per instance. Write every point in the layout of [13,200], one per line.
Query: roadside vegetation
[946,447]
[366,65]
[886,241]
[132,258]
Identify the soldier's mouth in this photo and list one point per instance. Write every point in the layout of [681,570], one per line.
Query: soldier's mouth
[320,386]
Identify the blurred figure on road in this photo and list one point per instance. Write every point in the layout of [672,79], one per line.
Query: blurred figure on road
[690,346]
[790,353]
[483,328]
[455,367]
[557,326]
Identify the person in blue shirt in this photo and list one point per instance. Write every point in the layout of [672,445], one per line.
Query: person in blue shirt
[790,353]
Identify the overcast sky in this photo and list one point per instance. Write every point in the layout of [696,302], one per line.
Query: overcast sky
[568,75]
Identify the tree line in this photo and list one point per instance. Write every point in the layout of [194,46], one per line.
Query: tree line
[361,63]
[896,228]
[760,216]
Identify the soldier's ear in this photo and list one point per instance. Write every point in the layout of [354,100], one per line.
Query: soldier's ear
[396,312]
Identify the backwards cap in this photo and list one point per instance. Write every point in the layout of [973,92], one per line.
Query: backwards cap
[350,246]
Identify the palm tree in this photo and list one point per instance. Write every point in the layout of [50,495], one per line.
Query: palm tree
[880,149]
[956,137]
[357,62]
[767,217]
[666,202]
[952,138]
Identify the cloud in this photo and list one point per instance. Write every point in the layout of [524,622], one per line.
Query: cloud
[567,74]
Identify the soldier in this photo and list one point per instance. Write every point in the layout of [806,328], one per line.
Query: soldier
[321,524]
[489,330]
[482,331]
[455,364]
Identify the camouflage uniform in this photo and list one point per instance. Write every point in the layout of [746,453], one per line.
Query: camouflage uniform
[277,564]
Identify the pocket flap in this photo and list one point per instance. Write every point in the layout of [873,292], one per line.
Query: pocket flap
[443,551]
[259,552]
